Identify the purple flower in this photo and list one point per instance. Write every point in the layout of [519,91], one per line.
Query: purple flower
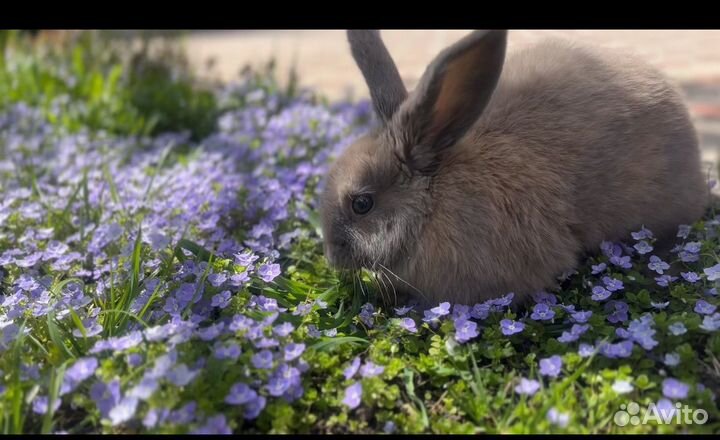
[262,360]
[657,265]
[641,332]
[106,396]
[302,309]
[693,247]
[674,389]
[623,262]
[123,411]
[541,312]
[269,272]
[245,258]
[612,284]
[82,369]
[545,298]
[370,369]
[265,343]
[254,407]
[217,279]
[690,277]
[283,329]
[586,350]
[181,375]
[353,395]
[441,310]
[403,310]
[509,327]
[144,389]
[265,304]
[240,394]
[642,234]
[40,404]
[211,332]
[665,409]
[460,311]
[480,311]
[704,308]
[185,414]
[118,343]
[677,329]
[551,366]
[240,322]
[672,359]
[293,351]
[665,280]
[232,351]
[596,269]
[575,332]
[713,273]
[619,311]
[366,314]
[408,324]
[711,323]
[557,418]
[620,350]
[465,330]
[214,425]
[599,293]
[389,427]
[659,306]
[313,332]
[527,386]
[581,316]
[643,247]
[502,302]
[683,231]
[221,300]
[353,368]
[134,359]
[278,385]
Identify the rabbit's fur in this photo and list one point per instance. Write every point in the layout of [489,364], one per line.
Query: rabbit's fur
[496,176]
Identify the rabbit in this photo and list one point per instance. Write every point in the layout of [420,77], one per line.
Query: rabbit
[496,175]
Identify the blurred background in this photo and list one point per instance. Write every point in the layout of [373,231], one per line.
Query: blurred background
[322,62]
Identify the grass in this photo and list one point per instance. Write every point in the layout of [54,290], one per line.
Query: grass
[160,221]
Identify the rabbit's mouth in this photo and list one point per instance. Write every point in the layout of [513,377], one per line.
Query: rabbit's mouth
[338,256]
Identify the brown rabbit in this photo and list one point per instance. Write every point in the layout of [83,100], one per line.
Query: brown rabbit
[479,183]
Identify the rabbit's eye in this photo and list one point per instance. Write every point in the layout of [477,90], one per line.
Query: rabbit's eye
[362,204]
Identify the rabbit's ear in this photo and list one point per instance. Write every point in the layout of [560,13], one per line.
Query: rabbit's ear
[450,97]
[382,77]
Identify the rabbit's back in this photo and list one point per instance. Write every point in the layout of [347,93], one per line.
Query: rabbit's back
[612,128]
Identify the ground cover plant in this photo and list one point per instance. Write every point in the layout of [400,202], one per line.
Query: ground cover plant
[168,277]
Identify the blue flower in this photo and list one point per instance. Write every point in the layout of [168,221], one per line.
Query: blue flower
[240,394]
[657,265]
[408,324]
[677,329]
[370,369]
[353,395]
[541,312]
[704,308]
[711,323]
[713,273]
[509,327]
[353,368]
[551,366]
[465,330]
[674,389]
[527,386]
